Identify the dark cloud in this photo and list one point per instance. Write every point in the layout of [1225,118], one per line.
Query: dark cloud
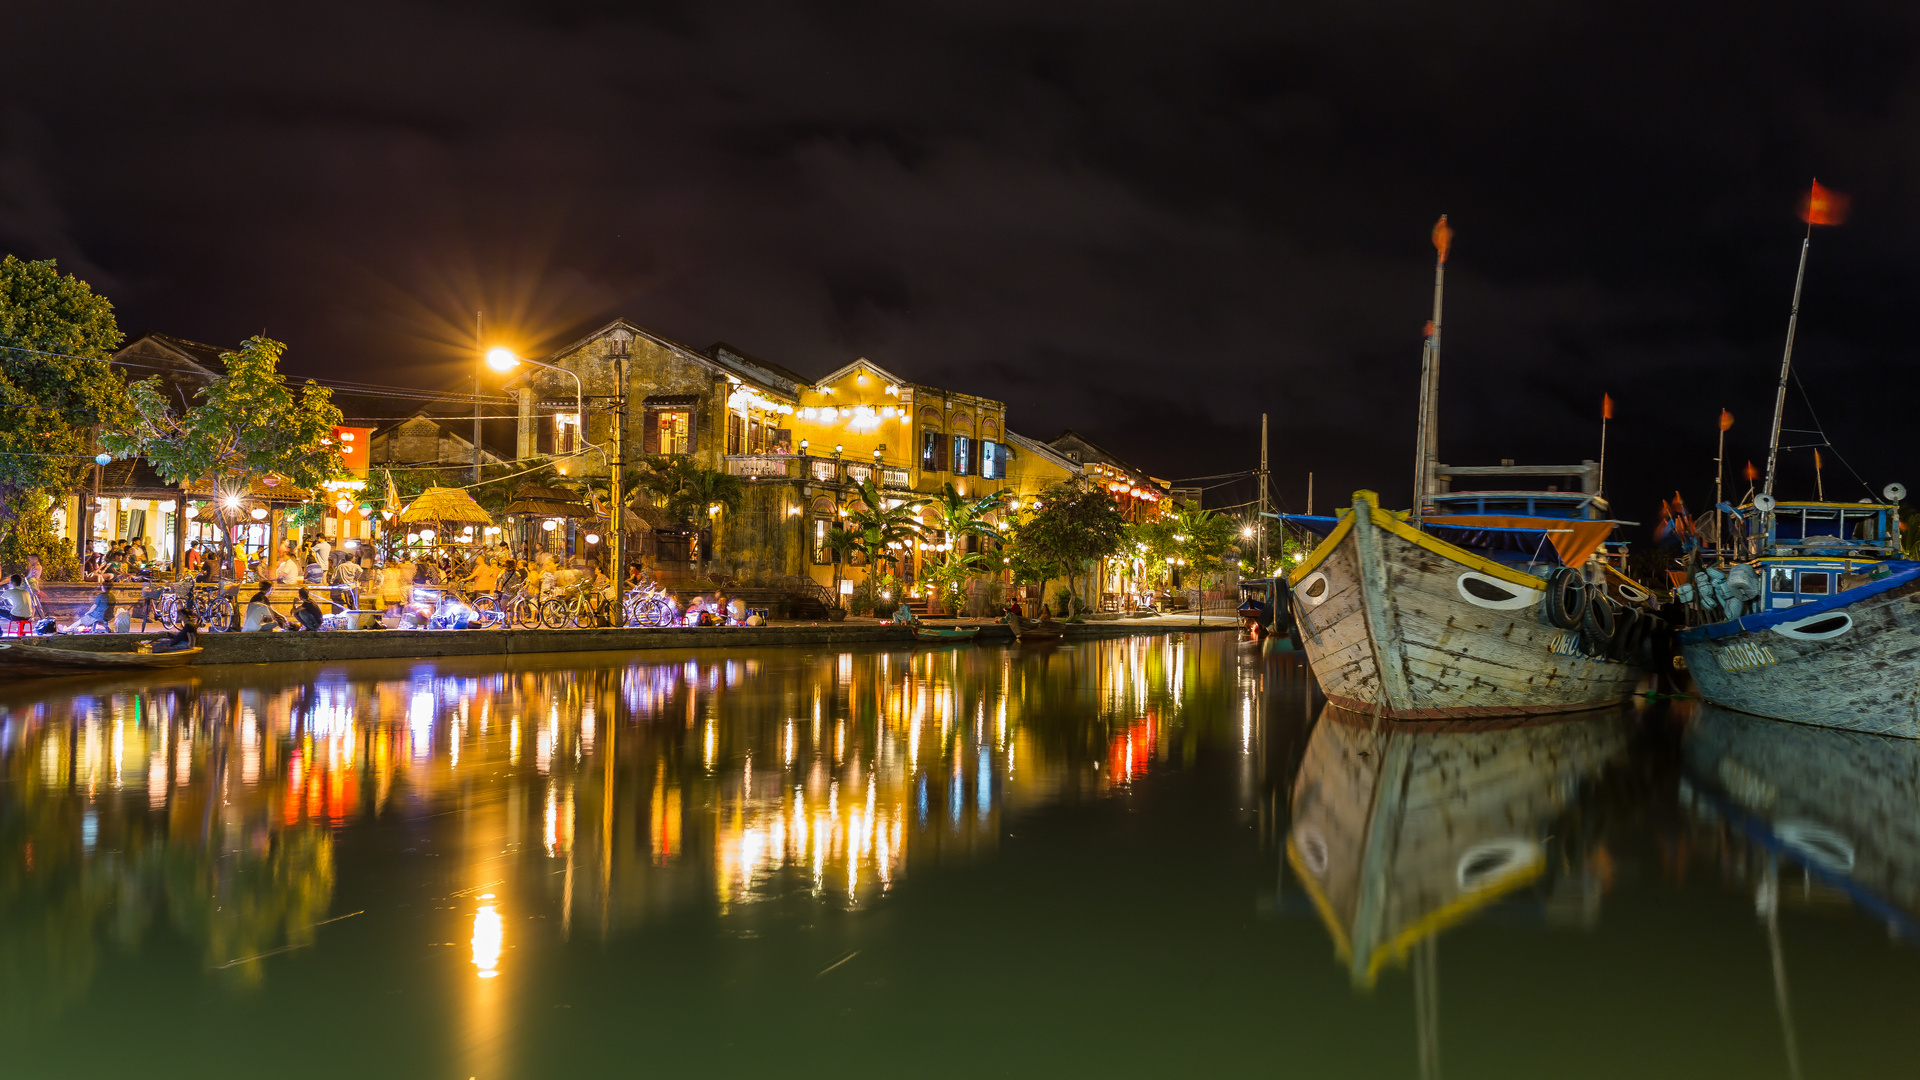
[1148,222]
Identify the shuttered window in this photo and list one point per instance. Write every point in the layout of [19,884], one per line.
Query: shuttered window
[962,456]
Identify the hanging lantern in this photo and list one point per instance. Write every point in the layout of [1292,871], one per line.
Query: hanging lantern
[550,524]
[426,536]
[271,481]
[258,513]
[343,505]
[593,538]
[192,512]
[413,538]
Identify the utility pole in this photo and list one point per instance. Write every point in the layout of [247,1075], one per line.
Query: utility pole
[479,361]
[617,513]
[1260,520]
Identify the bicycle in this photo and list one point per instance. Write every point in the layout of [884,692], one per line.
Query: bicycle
[649,605]
[213,606]
[576,606]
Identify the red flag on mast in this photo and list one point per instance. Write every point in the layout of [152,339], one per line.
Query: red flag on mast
[1726,419]
[1823,206]
[1442,237]
[1606,406]
[1752,473]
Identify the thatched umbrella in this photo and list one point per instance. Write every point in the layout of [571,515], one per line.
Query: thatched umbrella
[451,505]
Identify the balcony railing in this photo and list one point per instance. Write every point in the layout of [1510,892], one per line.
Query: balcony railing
[818,469]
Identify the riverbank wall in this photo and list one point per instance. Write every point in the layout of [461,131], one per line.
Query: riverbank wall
[272,648]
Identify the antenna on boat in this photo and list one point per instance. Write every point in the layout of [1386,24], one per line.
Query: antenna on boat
[1427,441]
[1822,207]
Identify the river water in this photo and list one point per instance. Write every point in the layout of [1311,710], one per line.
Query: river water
[1151,856]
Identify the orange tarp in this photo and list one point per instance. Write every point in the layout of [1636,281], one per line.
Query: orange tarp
[1574,539]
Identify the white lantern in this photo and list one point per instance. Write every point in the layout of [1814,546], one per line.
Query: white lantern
[426,536]
[258,513]
[550,524]
[343,504]
[192,512]
[593,538]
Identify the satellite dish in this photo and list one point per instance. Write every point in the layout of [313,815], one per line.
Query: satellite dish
[1894,492]
[1763,503]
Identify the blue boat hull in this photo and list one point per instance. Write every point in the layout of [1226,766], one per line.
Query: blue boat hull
[1852,662]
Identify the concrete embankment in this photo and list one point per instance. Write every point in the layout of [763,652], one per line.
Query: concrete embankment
[270,648]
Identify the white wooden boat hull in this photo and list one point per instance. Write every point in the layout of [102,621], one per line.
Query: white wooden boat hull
[1393,630]
[1782,665]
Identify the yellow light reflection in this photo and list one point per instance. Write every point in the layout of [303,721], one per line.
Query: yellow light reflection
[488,933]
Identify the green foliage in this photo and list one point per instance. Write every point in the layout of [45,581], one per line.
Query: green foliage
[250,424]
[689,489]
[1203,539]
[305,516]
[881,528]
[949,578]
[1074,526]
[32,533]
[843,543]
[1152,543]
[50,404]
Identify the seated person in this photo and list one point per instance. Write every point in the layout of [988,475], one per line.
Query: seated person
[259,613]
[451,614]
[15,601]
[306,612]
[99,614]
[187,636]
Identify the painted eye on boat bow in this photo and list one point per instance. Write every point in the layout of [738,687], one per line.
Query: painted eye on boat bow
[1490,592]
[1821,627]
[1313,588]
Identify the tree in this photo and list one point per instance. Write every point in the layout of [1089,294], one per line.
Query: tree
[1203,539]
[1072,527]
[959,518]
[843,544]
[1151,543]
[694,494]
[882,528]
[56,389]
[250,425]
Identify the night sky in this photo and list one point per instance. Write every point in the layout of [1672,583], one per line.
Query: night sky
[1147,222]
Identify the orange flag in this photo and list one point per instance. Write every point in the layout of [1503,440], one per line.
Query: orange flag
[1752,473]
[1443,237]
[1816,460]
[1726,419]
[1606,406]
[1823,206]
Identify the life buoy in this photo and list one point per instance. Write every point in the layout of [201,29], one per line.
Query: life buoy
[1597,625]
[1566,598]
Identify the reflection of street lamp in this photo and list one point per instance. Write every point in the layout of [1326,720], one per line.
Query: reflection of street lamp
[503,359]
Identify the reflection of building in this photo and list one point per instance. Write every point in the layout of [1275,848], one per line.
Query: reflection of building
[596,797]
[1399,833]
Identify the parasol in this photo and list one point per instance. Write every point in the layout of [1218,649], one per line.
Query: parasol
[445,504]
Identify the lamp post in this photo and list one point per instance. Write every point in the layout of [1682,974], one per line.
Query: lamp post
[503,359]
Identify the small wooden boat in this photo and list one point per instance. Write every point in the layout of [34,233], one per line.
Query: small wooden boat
[22,661]
[945,633]
[1819,628]
[1035,633]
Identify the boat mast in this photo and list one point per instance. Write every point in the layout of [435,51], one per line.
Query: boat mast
[1786,367]
[1427,469]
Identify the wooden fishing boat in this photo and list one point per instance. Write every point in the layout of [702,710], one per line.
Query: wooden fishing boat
[1840,806]
[1821,627]
[945,633]
[1399,831]
[19,660]
[1035,633]
[1416,624]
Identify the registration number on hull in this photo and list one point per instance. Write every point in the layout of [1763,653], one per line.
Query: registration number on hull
[1745,656]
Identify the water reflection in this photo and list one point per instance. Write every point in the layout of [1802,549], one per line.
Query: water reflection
[1837,811]
[597,797]
[1400,831]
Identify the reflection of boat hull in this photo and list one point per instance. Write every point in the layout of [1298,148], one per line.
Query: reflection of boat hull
[1400,831]
[1392,628]
[19,660]
[1865,678]
[1843,805]
[946,633]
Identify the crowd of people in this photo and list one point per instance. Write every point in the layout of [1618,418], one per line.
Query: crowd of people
[417,588]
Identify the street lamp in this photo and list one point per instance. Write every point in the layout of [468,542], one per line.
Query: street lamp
[500,358]
[803,447]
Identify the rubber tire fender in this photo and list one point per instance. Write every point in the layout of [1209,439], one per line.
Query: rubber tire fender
[1566,599]
[1629,627]
[1598,626]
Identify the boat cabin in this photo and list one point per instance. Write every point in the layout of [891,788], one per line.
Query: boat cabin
[1812,547]
[1560,505]
[1855,530]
